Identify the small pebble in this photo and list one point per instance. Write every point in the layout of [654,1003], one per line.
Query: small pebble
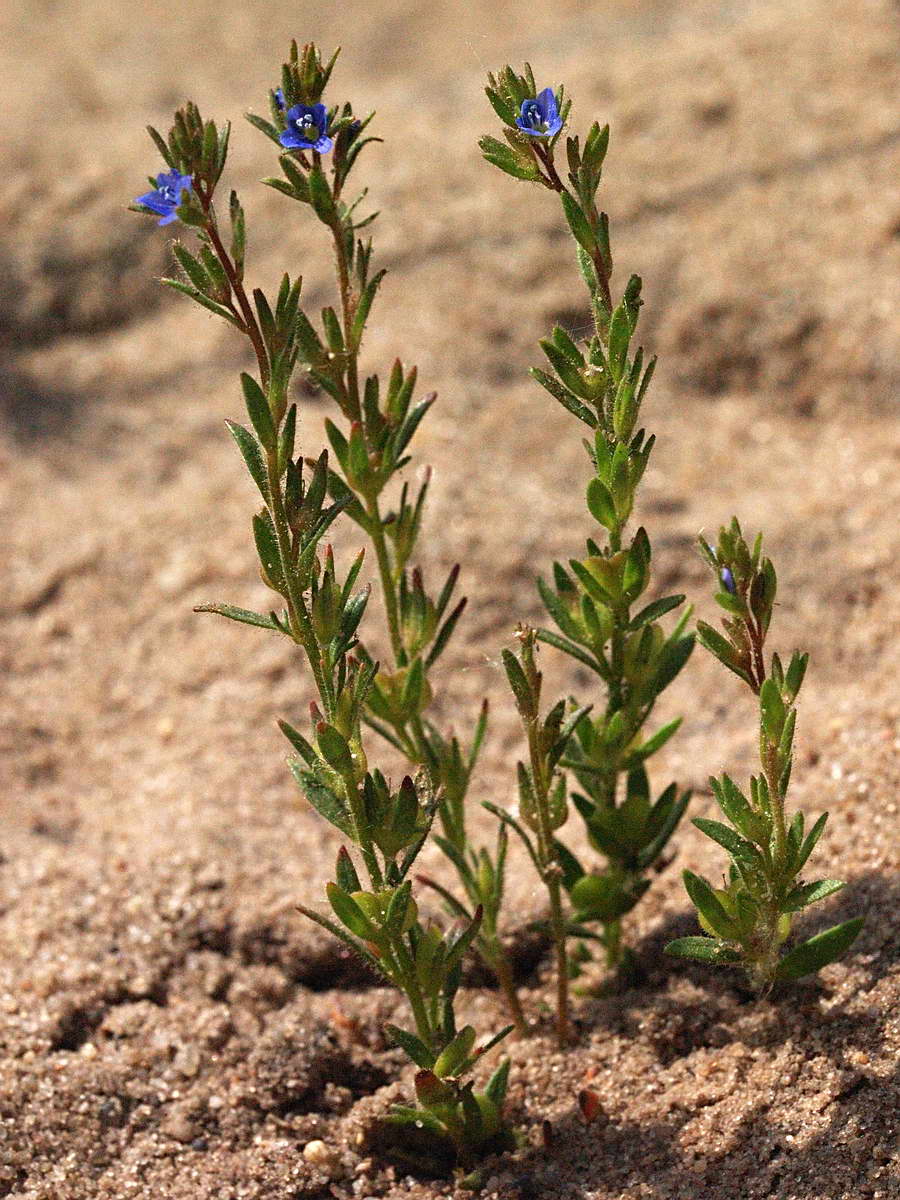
[319,1154]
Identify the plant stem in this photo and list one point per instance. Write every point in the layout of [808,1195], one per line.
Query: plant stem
[562,961]
[301,626]
[389,591]
[250,323]
[348,308]
[777,802]
[363,840]
[550,871]
[414,992]
[503,970]
[557,184]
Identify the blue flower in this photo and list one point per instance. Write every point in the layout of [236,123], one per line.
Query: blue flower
[540,117]
[279,99]
[170,187]
[728,581]
[307,128]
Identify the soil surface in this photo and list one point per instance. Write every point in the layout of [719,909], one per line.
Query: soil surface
[169,1025]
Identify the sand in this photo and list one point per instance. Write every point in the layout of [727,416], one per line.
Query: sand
[169,1025]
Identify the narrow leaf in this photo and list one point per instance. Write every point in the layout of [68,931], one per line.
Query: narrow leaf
[820,950]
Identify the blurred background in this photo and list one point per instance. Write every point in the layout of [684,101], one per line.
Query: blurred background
[751,181]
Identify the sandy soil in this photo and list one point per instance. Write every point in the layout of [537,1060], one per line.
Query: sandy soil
[169,1026]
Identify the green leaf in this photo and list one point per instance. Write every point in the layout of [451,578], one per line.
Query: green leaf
[260,413]
[655,610]
[721,649]
[703,949]
[192,268]
[571,868]
[654,743]
[733,804]
[336,931]
[326,802]
[567,647]
[708,904]
[320,196]
[578,223]
[204,301]
[820,950]
[674,655]
[334,748]
[508,819]
[666,813]
[413,686]
[809,843]
[244,615]
[458,943]
[296,178]
[347,878]
[495,1040]
[445,633]
[500,107]
[507,160]
[519,684]
[619,337]
[350,914]
[731,841]
[567,346]
[452,1058]
[364,305]
[279,185]
[601,504]
[565,397]
[810,893]
[333,332]
[414,1047]
[267,549]
[568,372]
[498,1082]
[772,710]
[252,456]
[161,147]
[398,910]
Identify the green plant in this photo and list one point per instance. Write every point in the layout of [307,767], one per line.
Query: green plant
[748,920]
[594,602]
[373,908]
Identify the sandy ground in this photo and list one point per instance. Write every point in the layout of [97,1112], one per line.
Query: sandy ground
[169,1026]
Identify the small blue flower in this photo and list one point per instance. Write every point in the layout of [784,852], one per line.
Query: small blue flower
[540,117]
[307,128]
[170,187]
[279,99]
[728,581]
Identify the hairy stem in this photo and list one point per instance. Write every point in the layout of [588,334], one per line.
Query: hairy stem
[301,625]
[388,587]
[249,317]
[550,872]
[348,311]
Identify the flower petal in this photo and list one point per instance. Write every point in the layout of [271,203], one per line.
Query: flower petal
[546,102]
[324,144]
[149,200]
